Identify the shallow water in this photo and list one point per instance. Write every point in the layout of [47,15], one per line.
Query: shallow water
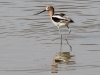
[26,45]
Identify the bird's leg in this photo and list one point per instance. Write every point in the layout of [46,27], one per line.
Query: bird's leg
[69,31]
[69,44]
[61,39]
[67,39]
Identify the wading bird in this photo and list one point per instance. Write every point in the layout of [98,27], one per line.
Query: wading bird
[58,19]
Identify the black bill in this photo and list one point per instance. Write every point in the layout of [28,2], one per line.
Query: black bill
[40,12]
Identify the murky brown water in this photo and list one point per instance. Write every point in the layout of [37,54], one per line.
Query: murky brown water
[26,46]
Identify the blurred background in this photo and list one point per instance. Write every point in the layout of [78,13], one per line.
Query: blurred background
[26,40]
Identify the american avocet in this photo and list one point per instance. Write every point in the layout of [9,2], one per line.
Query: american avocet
[58,19]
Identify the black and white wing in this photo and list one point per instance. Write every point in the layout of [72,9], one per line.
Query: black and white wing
[61,18]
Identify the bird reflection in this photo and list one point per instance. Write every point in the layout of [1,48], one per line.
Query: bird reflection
[62,58]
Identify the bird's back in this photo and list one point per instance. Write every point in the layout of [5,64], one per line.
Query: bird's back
[61,19]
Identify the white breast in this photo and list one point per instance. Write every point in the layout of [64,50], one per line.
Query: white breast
[60,24]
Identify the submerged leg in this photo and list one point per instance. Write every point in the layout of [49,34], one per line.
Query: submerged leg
[69,44]
[61,39]
[67,39]
[69,31]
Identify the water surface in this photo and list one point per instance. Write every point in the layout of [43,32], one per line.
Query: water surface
[26,45]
